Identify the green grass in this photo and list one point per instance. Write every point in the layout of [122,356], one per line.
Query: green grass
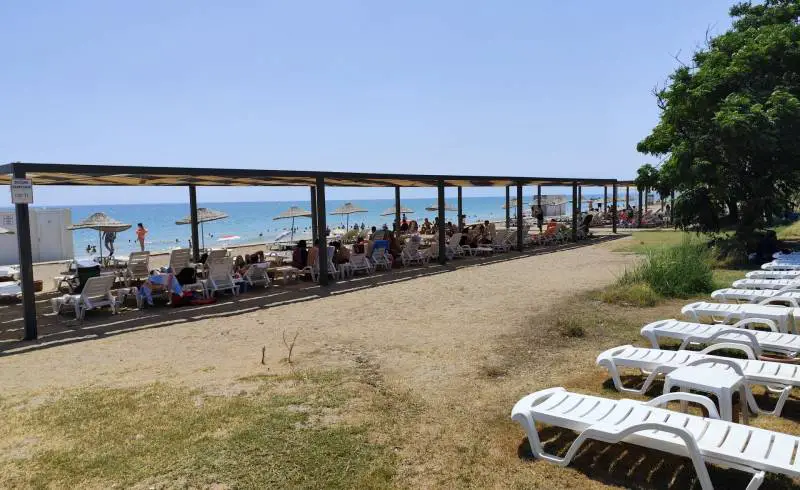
[671,271]
[638,294]
[643,241]
[789,232]
[285,432]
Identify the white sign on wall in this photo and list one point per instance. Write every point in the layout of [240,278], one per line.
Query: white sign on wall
[21,191]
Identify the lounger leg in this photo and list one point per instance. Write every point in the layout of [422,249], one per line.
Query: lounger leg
[612,370]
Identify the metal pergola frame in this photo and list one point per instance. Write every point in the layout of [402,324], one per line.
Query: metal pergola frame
[317,181]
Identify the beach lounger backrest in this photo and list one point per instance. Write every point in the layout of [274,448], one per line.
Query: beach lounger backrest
[179,258]
[139,264]
[217,253]
[97,289]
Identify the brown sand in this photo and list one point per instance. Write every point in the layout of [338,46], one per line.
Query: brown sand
[426,334]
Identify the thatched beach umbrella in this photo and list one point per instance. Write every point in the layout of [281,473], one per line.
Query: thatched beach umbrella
[101,223]
[403,210]
[447,207]
[204,215]
[346,210]
[292,213]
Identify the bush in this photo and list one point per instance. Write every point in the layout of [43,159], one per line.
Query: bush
[637,294]
[675,272]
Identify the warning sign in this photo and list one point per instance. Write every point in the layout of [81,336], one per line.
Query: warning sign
[21,191]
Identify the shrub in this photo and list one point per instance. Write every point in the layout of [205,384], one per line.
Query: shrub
[675,272]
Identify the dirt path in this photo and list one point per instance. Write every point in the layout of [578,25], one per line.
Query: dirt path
[423,333]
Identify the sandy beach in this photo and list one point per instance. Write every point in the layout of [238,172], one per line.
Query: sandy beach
[426,332]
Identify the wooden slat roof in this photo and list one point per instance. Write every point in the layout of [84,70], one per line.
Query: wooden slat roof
[110,175]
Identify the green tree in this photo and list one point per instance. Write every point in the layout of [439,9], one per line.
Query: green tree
[728,128]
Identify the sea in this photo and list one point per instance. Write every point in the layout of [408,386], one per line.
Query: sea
[254,222]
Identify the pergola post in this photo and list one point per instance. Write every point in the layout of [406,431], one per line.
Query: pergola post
[580,198]
[605,198]
[508,209]
[539,195]
[639,224]
[322,257]
[627,196]
[314,228]
[519,217]
[614,216]
[26,264]
[460,211]
[195,230]
[441,230]
[397,209]
[575,195]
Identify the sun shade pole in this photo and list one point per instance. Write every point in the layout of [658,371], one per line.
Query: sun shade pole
[574,211]
[460,210]
[605,198]
[314,227]
[397,209]
[519,217]
[442,236]
[627,196]
[195,230]
[322,256]
[508,207]
[614,217]
[539,195]
[26,264]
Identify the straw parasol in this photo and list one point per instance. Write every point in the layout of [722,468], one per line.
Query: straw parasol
[101,223]
[435,207]
[5,231]
[403,210]
[346,210]
[292,213]
[204,215]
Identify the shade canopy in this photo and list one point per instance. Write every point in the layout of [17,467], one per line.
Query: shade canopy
[348,208]
[293,212]
[100,222]
[5,231]
[204,215]
[435,207]
[403,210]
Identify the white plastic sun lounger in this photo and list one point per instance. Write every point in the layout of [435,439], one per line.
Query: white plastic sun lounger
[755,295]
[730,312]
[777,377]
[781,265]
[703,440]
[95,294]
[766,283]
[769,274]
[760,341]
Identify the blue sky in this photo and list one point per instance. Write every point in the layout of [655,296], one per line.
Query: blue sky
[546,87]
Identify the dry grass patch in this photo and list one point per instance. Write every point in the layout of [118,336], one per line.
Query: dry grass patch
[164,436]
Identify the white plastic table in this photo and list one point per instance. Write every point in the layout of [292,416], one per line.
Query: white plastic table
[720,382]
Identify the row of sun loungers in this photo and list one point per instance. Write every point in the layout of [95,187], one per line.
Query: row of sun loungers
[760,327]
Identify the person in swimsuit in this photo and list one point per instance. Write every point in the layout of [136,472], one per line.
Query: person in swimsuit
[141,232]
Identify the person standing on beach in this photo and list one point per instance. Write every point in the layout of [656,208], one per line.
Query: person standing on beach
[538,213]
[108,240]
[141,232]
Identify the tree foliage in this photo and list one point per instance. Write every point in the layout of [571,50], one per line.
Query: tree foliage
[729,128]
